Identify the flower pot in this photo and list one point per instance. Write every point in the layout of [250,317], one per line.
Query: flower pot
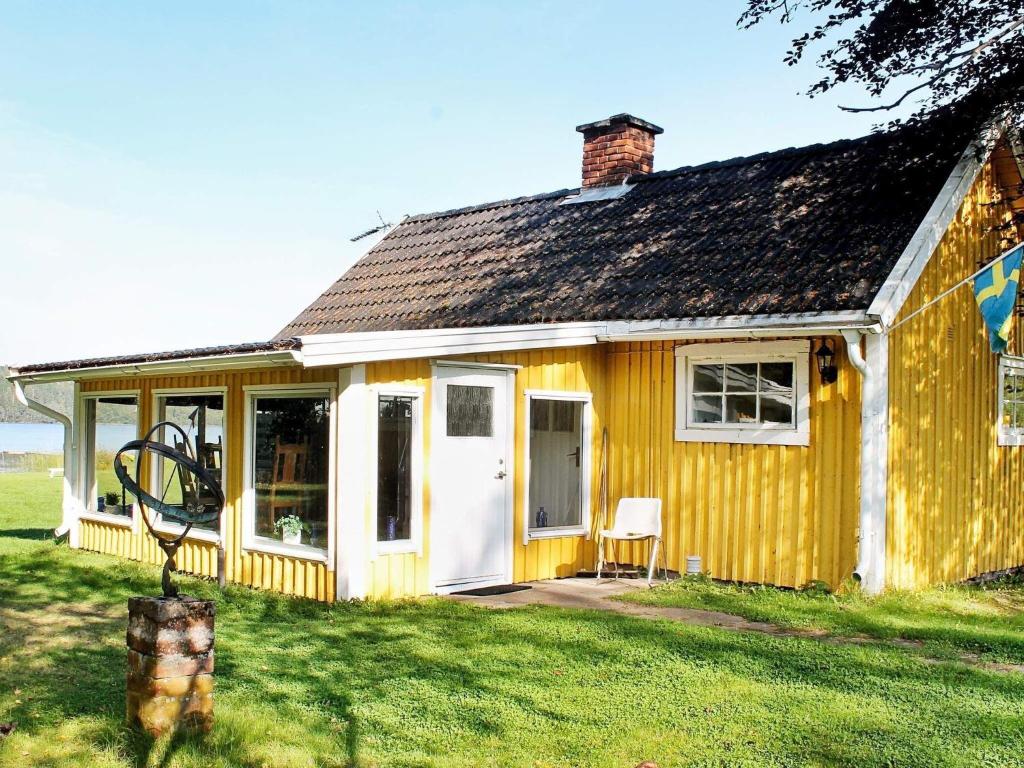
[291,538]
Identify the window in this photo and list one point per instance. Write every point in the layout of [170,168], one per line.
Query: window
[743,392]
[557,502]
[110,422]
[470,411]
[399,491]
[1011,401]
[290,469]
[201,417]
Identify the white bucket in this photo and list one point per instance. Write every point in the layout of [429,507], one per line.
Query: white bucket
[693,565]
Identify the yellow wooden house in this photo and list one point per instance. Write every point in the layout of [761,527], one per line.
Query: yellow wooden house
[467,403]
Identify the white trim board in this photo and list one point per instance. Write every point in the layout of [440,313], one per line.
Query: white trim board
[915,257]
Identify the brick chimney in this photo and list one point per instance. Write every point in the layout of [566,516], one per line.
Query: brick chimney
[615,148]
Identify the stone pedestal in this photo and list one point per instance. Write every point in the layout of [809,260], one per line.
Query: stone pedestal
[170,664]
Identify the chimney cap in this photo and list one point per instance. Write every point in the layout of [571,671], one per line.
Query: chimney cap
[621,119]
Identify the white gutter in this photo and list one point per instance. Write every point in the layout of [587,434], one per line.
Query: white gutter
[69,516]
[739,326]
[156,367]
[874,449]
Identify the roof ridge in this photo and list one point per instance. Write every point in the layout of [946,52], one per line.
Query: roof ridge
[731,162]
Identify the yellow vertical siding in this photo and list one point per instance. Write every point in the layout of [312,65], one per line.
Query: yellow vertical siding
[289,575]
[781,515]
[578,370]
[954,497]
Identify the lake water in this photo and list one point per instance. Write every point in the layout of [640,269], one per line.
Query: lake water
[49,438]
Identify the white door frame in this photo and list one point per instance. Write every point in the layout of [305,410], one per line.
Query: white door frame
[437,428]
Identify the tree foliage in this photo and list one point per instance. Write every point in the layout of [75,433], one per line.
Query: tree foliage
[935,53]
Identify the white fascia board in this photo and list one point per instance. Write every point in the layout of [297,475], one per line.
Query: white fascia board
[349,348]
[739,326]
[908,268]
[155,367]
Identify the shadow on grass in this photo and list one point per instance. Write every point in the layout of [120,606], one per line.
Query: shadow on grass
[431,676]
[32,534]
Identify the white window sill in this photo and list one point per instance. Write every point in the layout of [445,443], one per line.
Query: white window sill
[200,534]
[748,436]
[108,519]
[556,533]
[400,547]
[1010,439]
[299,551]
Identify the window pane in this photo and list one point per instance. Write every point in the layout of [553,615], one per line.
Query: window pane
[113,421]
[707,409]
[707,378]
[201,417]
[741,378]
[1018,409]
[741,409]
[776,409]
[556,451]
[291,455]
[394,468]
[776,377]
[469,411]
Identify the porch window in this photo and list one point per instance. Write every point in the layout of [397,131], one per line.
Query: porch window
[290,469]
[1011,401]
[398,491]
[201,416]
[110,422]
[743,392]
[558,464]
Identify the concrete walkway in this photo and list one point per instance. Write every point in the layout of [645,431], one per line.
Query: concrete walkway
[590,594]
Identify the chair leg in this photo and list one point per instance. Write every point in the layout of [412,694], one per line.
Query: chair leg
[615,554]
[654,559]
[600,555]
[664,560]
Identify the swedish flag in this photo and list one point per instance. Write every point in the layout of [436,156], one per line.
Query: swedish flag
[995,290]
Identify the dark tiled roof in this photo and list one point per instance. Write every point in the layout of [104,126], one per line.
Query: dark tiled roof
[152,357]
[814,229]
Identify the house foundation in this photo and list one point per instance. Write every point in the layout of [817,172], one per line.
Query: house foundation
[170,664]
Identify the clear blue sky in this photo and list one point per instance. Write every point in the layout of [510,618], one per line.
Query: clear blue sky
[182,174]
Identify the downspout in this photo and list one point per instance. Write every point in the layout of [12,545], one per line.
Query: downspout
[873,369]
[69,518]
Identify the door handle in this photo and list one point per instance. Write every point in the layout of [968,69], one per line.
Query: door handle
[500,475]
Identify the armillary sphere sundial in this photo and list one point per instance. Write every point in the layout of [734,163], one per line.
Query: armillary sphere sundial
[202,499]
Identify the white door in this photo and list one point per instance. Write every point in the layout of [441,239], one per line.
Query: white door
[471,478]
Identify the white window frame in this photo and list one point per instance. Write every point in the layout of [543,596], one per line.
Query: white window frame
[1007,436]
[796,351]
[414,544]
[87,488]
[250,541]
[586,445]
[199,534]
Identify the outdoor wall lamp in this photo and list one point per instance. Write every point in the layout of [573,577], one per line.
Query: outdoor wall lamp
[826,358]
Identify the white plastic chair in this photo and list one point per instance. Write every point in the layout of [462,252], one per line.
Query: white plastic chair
[635,520]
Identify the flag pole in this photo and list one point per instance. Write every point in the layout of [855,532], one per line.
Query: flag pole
[948,291]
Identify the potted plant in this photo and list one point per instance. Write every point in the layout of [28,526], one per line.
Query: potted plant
[111,503]
[291,527]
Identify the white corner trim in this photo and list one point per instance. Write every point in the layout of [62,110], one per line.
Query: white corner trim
[796,351]
[353,484]
[915,257]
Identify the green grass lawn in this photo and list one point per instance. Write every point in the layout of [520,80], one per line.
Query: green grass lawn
[987,622]
[436,683]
